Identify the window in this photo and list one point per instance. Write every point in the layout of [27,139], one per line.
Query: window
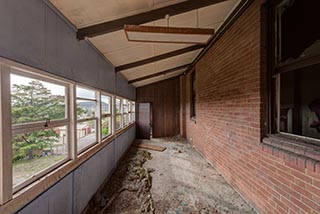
[118,114]
[87,118]
[39,116]
[53,120]
[105,116]
[133,111]
[125,111]
[193,95]
[295,83]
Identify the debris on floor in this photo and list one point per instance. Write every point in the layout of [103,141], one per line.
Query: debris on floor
[182,182]
[137,180]
[148,146]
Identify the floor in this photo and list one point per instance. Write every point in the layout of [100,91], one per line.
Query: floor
[182,182]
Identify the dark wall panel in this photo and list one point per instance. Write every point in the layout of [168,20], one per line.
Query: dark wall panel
[165,99]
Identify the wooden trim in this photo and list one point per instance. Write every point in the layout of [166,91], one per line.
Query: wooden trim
[168,30]
[297,64]
[5,136]
[23,128]
[25,195]
[159,73]
[159,57]
[145,17]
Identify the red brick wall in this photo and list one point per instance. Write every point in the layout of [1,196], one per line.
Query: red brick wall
[230,120]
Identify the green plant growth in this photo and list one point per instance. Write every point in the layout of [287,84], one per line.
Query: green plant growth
[31,103]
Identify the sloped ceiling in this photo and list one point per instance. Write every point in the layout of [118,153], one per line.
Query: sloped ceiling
[121,52]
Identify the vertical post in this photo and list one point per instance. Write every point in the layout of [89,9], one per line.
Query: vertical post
[98,112]
[72,133]
[5,136]
[278,101]
[113,114]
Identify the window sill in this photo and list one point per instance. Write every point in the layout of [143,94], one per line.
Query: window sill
[296,152]
[40,185]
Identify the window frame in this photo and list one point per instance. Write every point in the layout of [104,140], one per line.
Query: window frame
[96,118]
[106,115]
[53,174]
[118,114]
[193,95]
[276,68]
[39,125]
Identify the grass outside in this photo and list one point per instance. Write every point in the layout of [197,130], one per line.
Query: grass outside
[25,169]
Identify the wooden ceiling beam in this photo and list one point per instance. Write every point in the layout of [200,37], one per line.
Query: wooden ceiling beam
[145,17]
[159,73]
[159,57]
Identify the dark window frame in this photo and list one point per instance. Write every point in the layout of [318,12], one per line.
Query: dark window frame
[193,95]
[274,70]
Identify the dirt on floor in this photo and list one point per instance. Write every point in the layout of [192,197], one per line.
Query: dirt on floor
[176,181]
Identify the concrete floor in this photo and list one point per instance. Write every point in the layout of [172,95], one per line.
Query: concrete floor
[183,182]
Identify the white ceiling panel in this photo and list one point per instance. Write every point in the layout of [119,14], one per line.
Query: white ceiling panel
[119,51]
[158,78]
[89,12]
[159,66]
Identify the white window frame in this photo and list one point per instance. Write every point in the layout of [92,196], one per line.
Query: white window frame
[46,178]
[39,125]
[96,118]
[106,115]
[118,113]
[125,113]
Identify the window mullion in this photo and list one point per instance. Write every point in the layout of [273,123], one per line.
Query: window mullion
[98,113]
[73,123]
[5,136]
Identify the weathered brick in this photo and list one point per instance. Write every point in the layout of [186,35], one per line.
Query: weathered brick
[230,117]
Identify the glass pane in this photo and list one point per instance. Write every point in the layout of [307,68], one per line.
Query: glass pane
[133,117]
[118,122]
[36,151]
[133,108]
[105,126]
[33,100]
[118,106]
[125,106]
[300,102]
[129,106]
[86,134]
[293,15]
[125,119]
[105,105]
[85,93]
[86,109]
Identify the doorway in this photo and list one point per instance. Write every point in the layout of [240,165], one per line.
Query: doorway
[144,120]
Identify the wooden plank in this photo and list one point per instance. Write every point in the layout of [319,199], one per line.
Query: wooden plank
[145,17]
[159,73]
[149,146]
[159,57]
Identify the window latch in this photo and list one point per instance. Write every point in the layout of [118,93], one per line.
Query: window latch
[46,124]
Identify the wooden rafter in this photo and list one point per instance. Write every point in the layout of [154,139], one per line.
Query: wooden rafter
[152,15]
[159,73]
[159,57]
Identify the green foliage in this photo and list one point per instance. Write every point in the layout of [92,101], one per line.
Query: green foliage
[34,102]
[105,131]
[31,103]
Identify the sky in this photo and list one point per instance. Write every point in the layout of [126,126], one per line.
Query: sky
[54,88]
[20,80]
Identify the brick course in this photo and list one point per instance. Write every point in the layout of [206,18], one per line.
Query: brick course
[230,120]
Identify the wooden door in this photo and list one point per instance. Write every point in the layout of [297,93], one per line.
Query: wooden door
[144,120]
